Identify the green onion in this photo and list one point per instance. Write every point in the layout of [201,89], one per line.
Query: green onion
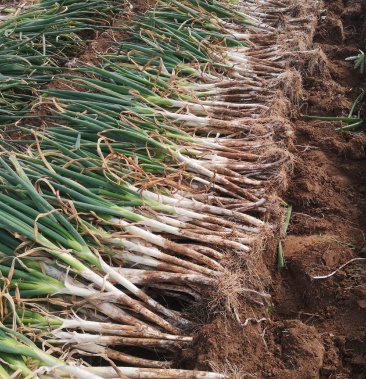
[15,344]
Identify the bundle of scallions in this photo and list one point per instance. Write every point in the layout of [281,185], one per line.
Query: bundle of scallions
[135,182]
[39,41]
[74,268]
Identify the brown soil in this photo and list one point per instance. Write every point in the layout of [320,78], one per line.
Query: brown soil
[316,328]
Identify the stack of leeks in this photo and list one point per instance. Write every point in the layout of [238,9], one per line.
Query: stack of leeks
[34,43]
[149,172]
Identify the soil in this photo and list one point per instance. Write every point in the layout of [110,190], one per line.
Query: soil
[316,328]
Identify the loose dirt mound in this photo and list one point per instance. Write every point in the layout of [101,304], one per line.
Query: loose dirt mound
[316,328]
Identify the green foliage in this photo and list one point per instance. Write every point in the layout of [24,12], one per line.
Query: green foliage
[350,121]
[359,60]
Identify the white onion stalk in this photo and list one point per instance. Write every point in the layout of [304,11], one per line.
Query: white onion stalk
[249,90]
[139,373]
[162,242]
[120,279]
[143,277]
[144,261]
[195,228]
[100,300]
[243,166]
[123,298]
[212,124]
[181,206]
[76,338]
[106,328]
[158,258]
[198,226]
[29,349]
[99,350]
[233,194]
[132,373]
[52,325]
[141,295]
[256,84]
[199,168]
[141,246]
[229,145]
[207,106]
[181,203]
